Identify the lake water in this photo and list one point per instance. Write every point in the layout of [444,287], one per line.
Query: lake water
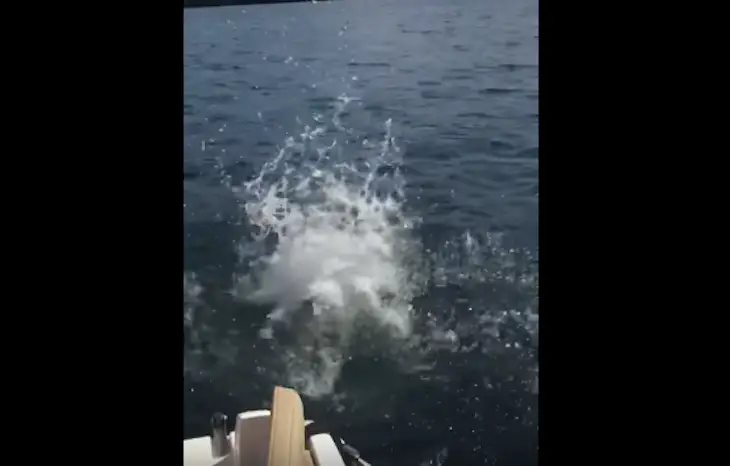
[360,222]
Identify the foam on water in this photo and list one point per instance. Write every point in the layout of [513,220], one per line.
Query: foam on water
[334,251]
[332,248]
[335,256]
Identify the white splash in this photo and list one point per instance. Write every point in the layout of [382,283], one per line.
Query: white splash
[341,255]
[332,251]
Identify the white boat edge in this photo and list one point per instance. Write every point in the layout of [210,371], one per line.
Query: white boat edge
[247,445]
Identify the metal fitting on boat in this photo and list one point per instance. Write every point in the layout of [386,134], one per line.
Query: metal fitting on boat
[220,444]
[352,454]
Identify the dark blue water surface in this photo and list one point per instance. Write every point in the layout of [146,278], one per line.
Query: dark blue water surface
[459,80]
